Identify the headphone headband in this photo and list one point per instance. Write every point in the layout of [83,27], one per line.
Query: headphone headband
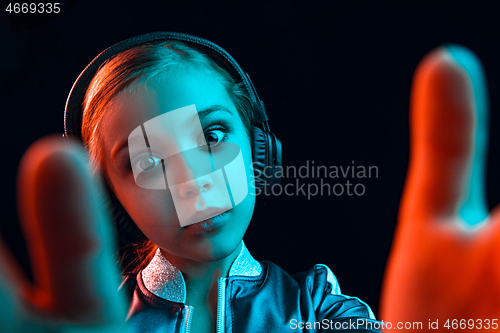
[73,109]
[266,150]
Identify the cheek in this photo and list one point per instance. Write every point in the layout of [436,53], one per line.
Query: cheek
[246,151]
[153,211]
[250,200]
[244,210]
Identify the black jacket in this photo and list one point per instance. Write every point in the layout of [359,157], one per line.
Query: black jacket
[255,297]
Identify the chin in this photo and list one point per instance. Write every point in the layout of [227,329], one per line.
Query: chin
[228,239]
[218,242]
[223,244]
[223,249]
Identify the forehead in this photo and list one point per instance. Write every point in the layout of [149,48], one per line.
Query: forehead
[130,109]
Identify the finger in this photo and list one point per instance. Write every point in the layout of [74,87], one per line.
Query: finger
[68,235]
[449,119]
[12,284]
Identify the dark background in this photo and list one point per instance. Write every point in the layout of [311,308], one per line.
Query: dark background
[336,81]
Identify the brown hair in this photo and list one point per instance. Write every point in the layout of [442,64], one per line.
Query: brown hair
[141,65]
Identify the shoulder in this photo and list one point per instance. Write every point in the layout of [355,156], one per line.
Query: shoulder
[314,298]
[319,292]
[322,289]
[319,277]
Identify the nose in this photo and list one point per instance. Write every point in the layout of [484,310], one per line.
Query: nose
[190,173]
[195,186]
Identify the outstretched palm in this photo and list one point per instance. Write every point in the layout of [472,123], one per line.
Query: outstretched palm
[444,261]
[70,244]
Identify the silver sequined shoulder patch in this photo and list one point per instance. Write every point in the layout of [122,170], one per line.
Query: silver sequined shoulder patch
[162,279]
[245,264]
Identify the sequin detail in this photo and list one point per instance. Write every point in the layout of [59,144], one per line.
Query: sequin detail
[245,264]
[164,280]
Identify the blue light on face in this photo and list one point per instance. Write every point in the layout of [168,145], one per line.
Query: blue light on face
[171,152]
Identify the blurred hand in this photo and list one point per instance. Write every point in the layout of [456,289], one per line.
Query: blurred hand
[444,262]
[70,242]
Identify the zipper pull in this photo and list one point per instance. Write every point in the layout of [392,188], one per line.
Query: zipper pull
[221,305]
[188,309]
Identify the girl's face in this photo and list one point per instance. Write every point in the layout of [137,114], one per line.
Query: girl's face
[154,210]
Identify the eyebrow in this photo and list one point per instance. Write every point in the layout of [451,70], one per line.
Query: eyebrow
[201,115]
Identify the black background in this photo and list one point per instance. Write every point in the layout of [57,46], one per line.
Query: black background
[336,81]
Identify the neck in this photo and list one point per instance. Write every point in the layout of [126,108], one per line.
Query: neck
[201,278]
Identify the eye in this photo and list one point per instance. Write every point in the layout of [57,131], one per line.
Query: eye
[148,163]
[214,136]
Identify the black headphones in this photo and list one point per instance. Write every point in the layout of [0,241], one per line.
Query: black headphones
[266,146]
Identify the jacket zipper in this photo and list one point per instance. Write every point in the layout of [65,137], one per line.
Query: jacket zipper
[189,316]
[221,306]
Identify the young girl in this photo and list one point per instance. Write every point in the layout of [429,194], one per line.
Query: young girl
[174,129]
[181,94]
[173,133]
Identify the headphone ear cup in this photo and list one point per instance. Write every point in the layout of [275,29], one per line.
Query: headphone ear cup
[266,159]
[259,157]
[275,158]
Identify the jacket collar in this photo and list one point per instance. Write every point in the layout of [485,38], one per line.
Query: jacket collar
[164,280]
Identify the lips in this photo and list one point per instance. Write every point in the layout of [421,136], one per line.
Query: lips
[206,224]
[204,215]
